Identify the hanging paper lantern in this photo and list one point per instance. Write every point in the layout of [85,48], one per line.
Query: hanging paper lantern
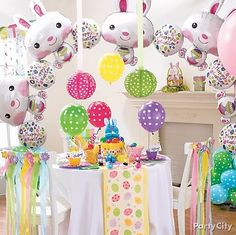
[98,111]
[111,67]
[41,75]
[74,119]
[195,56]
[168,40]
[91,34]
[228,137]
[37,104]
[81,85]
[64,53]
[151,116]
[140,83]
[219,77]
[31,134]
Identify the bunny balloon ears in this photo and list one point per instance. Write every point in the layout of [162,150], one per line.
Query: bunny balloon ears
[120,28]
[201,29]
[47,34]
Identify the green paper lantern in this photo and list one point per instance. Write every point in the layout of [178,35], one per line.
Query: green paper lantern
[232,196]
[223,161]
[140,83]
[74,119]
[215,177]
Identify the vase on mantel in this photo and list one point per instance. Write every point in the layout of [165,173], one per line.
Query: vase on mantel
[199,83]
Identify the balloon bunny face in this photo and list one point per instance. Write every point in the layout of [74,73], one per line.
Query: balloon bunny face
[120,28]
[202,28]
[47,33]
[14,94]
[111,130]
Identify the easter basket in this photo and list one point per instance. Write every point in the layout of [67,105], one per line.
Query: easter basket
[113,148]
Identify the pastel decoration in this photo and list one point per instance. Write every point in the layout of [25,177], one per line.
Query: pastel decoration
[40,75]
[227,106]
[168,40]
[228,179]
[98,111]
[127,205]
[37,106]
[47,33]
[202,28]
[226,43]
[151,116]
[222,161]
[120,28]
[219,194]
[232,196]
[74,119]
[81,85]
[140,83]
[111,67]
[91,33]
[195,56]
[219,77]
[228,137]
[14,92]
[64,53]
[31,134]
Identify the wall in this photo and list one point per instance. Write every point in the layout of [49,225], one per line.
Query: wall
[162,11]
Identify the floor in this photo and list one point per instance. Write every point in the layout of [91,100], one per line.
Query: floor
[220,217]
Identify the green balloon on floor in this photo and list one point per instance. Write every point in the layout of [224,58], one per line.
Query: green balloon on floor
[223,161]
[215,176]
[232,196]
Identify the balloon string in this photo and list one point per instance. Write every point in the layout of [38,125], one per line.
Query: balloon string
[79,36]
[139,9]
[94,136]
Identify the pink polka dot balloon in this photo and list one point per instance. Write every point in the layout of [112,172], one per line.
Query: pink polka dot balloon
[151,116]
[97,112]
[81,85]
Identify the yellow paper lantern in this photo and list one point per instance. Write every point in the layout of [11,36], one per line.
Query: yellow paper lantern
[111,67]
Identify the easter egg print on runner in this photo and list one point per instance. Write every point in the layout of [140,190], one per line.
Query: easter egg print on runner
[126,185]
[115,188]
[114,232]
[116,211]
[113,174]
[116,198]
[128,211]
[126,174]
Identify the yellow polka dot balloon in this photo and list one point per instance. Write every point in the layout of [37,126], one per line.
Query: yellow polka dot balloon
[111,67]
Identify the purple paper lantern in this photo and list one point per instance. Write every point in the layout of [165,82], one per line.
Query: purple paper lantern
[151,116]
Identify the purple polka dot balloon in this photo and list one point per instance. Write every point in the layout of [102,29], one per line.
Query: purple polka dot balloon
[151,116]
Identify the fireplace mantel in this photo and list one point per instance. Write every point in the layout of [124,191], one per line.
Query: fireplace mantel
[186,107]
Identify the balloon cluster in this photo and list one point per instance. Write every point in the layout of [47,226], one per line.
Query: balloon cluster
[223,177]
[201,29]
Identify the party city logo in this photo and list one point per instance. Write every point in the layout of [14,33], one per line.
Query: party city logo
[218,226]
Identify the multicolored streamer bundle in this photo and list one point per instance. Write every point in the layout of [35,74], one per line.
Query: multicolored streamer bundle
[27,178]
[201,184]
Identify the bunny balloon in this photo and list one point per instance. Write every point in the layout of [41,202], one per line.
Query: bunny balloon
[47,34]
[111,130]
[202,30]
[15,101]
[120,28]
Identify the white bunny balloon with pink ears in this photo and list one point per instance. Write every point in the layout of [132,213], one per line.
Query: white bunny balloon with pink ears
[120,28]
[47,34]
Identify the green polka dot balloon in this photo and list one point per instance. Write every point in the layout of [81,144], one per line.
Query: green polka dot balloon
[222,161]
[232,196]
[215,177]
[140,83]
[74,119]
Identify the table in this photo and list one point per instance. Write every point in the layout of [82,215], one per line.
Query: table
[83,190]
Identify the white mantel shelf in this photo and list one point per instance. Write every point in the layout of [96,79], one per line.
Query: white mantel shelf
[186,107]
[189,100]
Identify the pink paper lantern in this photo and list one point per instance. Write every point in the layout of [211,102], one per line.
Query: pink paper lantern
[81,85]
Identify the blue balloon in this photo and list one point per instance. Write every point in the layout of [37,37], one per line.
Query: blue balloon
[219,194]
[228,179]
[234,162]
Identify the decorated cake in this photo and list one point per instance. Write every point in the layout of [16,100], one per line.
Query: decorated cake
[112,142]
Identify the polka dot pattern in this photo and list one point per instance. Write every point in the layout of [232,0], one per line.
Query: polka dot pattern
[219,194]
[222,161]
[111,67]
[228,179]
[31,134]
[232,196]
[151,116]
[74,119]
[81,86]
[41,75]
[140,83]
[97,112]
